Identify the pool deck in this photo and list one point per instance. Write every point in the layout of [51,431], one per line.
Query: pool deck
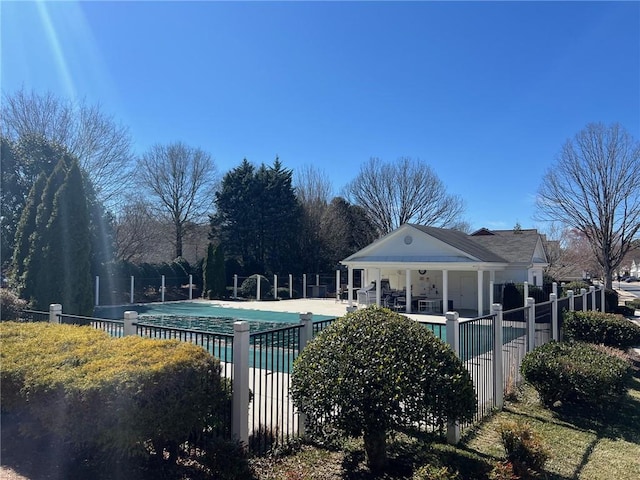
[319,306]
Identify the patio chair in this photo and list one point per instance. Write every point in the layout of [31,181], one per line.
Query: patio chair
[400,304]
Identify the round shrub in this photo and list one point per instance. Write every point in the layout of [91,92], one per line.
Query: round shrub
[373,371]
[575,373]
[106,395]
[601,328]
[249,288]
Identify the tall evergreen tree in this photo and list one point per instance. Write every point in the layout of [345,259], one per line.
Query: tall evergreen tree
[26,228]
[219,285]
[68,248]
[257,218]
[37,276]
[208,273]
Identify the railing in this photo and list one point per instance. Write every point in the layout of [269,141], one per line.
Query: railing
[272,417]
[33,316]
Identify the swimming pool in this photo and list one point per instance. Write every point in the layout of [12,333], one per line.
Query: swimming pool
[203,316]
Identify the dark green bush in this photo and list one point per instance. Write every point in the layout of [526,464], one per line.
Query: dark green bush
[249,287]
[575,373]
[633,304]
[611,301]
[374,371]
[575,287]
[602,328]
[115,396]
[10,305]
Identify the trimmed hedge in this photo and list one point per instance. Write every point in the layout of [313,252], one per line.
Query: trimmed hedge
[373,371]
[601,328]
[115,396]
[575,373]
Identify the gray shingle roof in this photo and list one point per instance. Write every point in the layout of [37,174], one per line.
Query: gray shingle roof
[516,247]
[463,242]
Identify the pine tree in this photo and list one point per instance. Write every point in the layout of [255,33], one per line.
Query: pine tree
[26,227]
[208,273]
[68,248]
[219,285]
[37,277]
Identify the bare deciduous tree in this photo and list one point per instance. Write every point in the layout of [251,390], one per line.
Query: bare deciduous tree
[102,147]
[594,187]
[403,191]
[181,181]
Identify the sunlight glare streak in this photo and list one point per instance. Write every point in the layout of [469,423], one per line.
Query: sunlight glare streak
[57,49]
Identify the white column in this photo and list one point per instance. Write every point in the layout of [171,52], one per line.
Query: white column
[583,294]
[240,398]
[498,373]
[553,298]
[350,287]
[378,286]
[480,293]
[190,287]
[338,285]
[162,290]
[531,324]
[275,286]
[572,304]
[130,317]
[592,289]
[258,288]
[132,286]
[492,282]
[55,310]
[491,297]
[602,298]
[97,290]
[290,285]
[304,285]
[445,291]
[526,293]
[408,296]
[235,285]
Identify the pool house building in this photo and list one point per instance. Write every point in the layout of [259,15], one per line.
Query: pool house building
[433,270]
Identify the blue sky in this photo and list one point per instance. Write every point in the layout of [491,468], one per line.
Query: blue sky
[485,92]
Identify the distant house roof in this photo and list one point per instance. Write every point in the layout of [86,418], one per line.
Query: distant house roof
[463,242]
[522,246]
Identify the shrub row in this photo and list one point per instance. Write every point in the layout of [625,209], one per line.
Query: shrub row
[601,328]
[114,396]
[575,373]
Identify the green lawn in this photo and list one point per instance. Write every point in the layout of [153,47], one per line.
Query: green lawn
[594,446]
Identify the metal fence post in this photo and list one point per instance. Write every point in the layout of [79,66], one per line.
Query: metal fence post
[131,288]
[531,324]
[602,298]
[130,317]
[275,286]
[97,290]
[55,310]
[572,304]
[498,373]
[190,287]
[240,399]
[453,339]
[304,285]
[162,289]
[553,298]
[583,294]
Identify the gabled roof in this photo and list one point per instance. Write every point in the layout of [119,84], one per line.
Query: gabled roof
[516,246]
[462,242]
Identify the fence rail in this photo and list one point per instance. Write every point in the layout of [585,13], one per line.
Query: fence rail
[491,348]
